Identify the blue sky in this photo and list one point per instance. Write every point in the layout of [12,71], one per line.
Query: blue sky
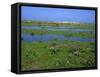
[57,14]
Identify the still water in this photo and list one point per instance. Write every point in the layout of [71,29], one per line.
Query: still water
[48,37]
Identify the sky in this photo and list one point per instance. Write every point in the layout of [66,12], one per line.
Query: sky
[57,14]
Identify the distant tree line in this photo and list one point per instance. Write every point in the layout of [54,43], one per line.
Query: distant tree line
[42,23]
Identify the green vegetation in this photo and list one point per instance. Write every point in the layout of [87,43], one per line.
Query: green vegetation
[55,54]
[41,23]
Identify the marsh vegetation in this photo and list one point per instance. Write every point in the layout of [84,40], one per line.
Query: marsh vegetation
[48,45]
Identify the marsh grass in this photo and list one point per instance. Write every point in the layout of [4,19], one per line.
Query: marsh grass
[53,55]
[32,33]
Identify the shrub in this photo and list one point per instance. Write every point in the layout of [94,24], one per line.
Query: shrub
[54,44]
[90,61]
[32,33]
[54,50]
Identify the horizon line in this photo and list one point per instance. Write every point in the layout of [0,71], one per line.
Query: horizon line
[59,21]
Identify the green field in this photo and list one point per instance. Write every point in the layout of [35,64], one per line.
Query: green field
[55,54]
